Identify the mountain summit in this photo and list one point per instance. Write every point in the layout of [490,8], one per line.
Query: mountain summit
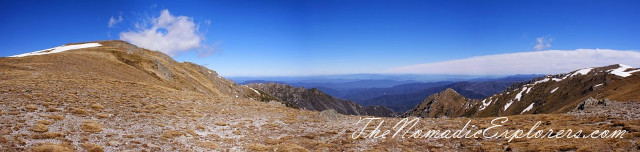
[447,103]
[118,62]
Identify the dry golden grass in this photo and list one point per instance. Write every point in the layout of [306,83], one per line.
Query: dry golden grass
[78,111]
[52,110]
[191,132]
[31,107]
[39,128]
[51,148]
[221,123]
[102,115]
[44,122]
[172,134]
[55,117]
[92,147]
[292,148]
[47,135]
[208,145]
[91,126]
[258,147]
[97,107]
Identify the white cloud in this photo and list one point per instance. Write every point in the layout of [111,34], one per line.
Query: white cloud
[113,21]
[167,33]
[537,62]
[543,42]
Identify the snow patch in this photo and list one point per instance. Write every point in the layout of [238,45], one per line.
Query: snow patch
[59,49]
[254,90]
[528,108]
[598,85]
[508,105]
[519,95]
[621,71]
[554,90]
[485,104]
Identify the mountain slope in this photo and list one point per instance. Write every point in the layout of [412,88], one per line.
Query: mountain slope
[314,99]
[563,92]
[559,93]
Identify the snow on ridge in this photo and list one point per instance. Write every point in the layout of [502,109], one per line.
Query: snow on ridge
[554,90]
[581,72]
[620,71]
[254,90]
[59,49]
[548,79]
[542,81]
[528,108]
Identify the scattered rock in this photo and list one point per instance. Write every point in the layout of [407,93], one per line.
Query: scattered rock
[591,102]
[276,103]
[114,143]
[330,115]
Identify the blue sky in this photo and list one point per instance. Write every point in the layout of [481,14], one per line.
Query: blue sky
[299,37]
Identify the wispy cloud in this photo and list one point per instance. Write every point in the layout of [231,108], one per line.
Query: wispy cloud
[113,21]
[166,33]
[543,42]
[537,62]
[208,50]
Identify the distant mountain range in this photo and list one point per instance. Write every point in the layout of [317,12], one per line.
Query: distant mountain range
[314,99]
[404,102]
[403,95]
